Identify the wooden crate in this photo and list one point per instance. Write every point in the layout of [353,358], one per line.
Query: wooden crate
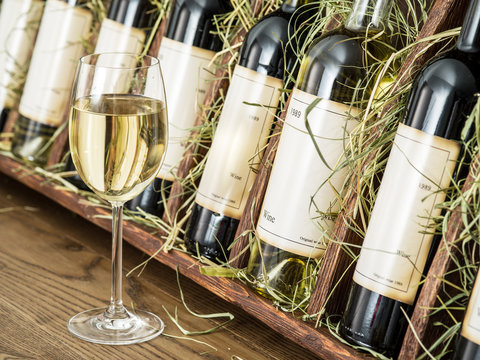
[445,14]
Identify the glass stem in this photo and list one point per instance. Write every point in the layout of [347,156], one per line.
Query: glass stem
[116,308]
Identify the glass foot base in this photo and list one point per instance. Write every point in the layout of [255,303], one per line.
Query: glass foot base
[96,326]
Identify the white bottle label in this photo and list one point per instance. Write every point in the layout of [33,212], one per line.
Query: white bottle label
[300,205]
[116,37]
[19,22]
[471,323]
[187,76]
[399,234]
[54,60]
[240,137]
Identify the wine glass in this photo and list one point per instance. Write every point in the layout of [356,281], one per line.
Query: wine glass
[118,135]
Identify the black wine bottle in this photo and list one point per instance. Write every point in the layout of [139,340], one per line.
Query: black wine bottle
[467,349]
[19,22]
[186,52]
[241,133]
[422,162]
[126,26]
[468,343]
[50,78]
[125,29]
[299,208]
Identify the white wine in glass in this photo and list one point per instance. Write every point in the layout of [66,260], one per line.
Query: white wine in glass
[118,133]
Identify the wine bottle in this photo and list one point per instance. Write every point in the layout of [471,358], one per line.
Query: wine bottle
[422,162]
[50,78]
[241,134]
[186,52]
[468,343]
[125,29]
[19,22]
[300,207]
[126,26]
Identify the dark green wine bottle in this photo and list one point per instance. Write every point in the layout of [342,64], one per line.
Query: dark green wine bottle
[185,54]
[422,162]
[300,204]
[50,78]
[19,22]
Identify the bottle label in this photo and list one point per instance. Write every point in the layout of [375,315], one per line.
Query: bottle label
[187,75]
[471,323]
[400,231]
[54,60]
[300,204]
[19,22]
[241,135]
[116,37]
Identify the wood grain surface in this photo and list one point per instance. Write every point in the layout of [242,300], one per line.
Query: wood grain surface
[54,264]
[319,341]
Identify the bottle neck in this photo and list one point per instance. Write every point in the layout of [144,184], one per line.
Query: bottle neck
[190,22]
[469,40]
[369,15]
[289,6]
[133,13]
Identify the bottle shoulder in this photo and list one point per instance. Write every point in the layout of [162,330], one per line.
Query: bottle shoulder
[274,27]
[335,63]
[269,47]
[349,46]
[212,5]
[344,48]
[263,47]
[455,70]
[190,22]
[332,66]
[443,95]
[133,13]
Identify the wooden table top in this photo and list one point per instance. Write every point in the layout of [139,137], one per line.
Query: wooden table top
[54,264]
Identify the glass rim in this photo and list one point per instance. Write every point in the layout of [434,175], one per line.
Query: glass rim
[154,60]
